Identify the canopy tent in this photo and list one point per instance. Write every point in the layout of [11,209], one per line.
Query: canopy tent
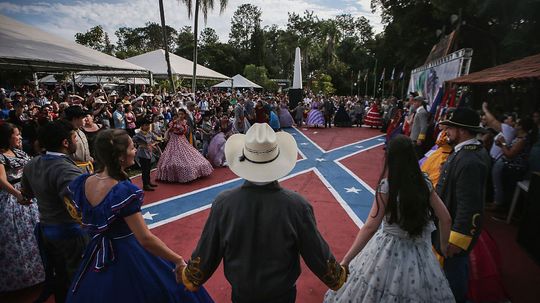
[89,80]
[525,69]
[24,47]
[155,62]
[238,81]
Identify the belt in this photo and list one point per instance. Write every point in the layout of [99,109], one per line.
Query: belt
[86,165]
[14,181]
[100,252]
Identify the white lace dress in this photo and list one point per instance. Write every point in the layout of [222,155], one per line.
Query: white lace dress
[393,267]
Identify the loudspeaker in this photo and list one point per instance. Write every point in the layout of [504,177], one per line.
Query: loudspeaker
[295,96]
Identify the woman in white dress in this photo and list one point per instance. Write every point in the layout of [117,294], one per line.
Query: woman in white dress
[396,263]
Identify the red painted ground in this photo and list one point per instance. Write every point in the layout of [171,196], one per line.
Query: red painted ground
[521,275]
[367,165]
[182,236]
[330,138]
[166,190]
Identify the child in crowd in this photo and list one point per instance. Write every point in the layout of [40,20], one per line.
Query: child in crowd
[206,129]
[145,140]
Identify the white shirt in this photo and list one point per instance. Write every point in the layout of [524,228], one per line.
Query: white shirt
[509,134]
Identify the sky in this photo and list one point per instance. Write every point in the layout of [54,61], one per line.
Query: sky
[67,17]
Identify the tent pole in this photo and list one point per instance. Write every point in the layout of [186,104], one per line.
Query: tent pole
[36,82]
[73,83]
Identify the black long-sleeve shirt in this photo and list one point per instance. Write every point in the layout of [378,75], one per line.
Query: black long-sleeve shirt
[260,233]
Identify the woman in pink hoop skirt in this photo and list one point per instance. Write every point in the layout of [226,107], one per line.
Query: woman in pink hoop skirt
[181,162]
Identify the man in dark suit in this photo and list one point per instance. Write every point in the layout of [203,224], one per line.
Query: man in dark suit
[462,187]
[329,110]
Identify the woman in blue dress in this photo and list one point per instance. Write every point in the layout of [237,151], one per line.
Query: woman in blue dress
[124,261]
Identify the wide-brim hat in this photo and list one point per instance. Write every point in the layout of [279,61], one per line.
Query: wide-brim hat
[464,118]
[99,100]
[261,155]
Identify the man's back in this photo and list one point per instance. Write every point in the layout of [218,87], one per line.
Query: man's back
[46,177]
[260,231]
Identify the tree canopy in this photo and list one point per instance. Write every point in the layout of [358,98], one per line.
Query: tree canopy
[340,51]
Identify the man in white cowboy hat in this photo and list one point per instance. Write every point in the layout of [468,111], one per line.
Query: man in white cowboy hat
[260,229]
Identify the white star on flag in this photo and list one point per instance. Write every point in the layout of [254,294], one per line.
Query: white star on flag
[359,146]
[380,139]
[303,143]
[149,216]
[320,159]
[352,190]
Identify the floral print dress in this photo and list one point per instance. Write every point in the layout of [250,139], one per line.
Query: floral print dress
[20,261]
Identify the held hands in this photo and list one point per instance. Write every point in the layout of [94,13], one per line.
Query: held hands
[452,250]
[180,265]
[22,200]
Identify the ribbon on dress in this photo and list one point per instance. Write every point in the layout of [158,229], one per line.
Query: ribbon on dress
[98,255]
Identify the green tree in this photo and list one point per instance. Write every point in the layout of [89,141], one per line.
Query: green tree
[185,43]
[258,74]
[321,83]
[205,6]
[97,39]
[139,40]
[244,23]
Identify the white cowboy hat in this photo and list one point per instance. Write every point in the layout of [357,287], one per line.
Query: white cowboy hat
[261,155]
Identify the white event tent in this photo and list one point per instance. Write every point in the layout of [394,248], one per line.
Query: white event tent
[155,62]
[24,47]
[238,81]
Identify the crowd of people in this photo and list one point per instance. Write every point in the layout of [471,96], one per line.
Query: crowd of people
[65,193]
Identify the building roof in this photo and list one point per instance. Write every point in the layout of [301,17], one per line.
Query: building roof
[526,69]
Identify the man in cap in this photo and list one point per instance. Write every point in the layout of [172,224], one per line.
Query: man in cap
[260,229]
[462,186]
[75,114]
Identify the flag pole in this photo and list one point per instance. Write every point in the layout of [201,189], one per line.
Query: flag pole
[375,78]
[366,80]
[403,85]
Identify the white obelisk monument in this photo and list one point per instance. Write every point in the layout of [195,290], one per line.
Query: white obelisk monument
[295,92]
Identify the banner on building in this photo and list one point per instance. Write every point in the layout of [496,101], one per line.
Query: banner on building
[427,80]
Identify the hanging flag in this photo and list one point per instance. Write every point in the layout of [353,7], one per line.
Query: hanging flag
[401,75]
[382,75]
[393,70]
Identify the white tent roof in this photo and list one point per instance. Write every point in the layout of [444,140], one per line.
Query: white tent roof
[155,62]
[237,81]
[28,48]
[88,79]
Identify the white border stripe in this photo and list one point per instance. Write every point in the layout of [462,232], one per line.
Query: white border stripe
[355,143]
[340,200]
[312,142]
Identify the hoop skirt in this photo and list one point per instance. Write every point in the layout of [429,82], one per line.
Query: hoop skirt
[216,150]
[20,262]
[181,162]
[115,267]
[373,117]
[342,118]
[315,116]
[285,117]
[395,268]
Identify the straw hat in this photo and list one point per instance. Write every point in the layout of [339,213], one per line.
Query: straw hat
[261,155]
